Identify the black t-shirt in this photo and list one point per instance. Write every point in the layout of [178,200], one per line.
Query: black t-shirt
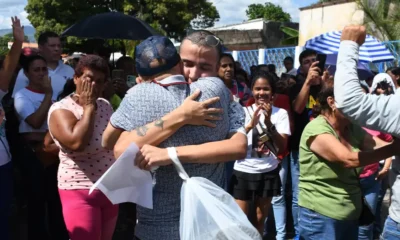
[301,120]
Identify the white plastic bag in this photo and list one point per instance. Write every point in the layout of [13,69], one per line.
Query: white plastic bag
[208,212]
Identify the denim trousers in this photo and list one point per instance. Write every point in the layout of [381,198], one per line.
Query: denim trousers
[295,174]
[314,226]
[6,187]
[370,188]
[279,203]
[391,231]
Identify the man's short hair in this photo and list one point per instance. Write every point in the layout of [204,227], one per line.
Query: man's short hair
[206,39]
[288,59]
[306,53]
[44,37]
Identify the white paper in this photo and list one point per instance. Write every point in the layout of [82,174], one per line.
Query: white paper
[125,182]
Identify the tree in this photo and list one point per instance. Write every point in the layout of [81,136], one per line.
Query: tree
[382,18]
[293,36]
[170,17]
[268,11]
[4,40]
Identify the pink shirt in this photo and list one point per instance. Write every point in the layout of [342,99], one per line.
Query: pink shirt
[79,170]
[372,168]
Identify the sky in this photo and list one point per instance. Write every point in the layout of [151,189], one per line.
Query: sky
[230,11]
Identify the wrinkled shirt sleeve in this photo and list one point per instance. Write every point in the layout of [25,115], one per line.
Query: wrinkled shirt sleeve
[380,113]
[236,118]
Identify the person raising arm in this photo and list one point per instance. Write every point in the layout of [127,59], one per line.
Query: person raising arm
[372,111]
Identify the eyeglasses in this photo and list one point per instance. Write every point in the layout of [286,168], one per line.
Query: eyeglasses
[210,40]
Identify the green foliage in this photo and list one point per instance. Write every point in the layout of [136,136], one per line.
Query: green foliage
[382,18]
[293,36]
[268,11]
[4,43]
[170,17]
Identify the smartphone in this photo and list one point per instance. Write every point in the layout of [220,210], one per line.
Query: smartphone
[321,58]
[131,81]
[117,74]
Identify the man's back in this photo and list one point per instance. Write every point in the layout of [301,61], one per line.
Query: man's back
[148,102]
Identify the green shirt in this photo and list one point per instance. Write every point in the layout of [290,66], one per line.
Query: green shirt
[329,188]
[115,101]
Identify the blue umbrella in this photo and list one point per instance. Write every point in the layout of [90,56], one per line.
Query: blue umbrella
[363,69]
[371,51]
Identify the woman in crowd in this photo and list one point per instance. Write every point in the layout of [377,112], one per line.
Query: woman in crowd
[330,195]
[394,73]
[226,72]
[32,105]
[370,176]
[7,69]
[256,178]
[243,77]
[76,124]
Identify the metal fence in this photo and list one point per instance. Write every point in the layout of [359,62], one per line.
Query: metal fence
[277,55]
[268,56]
[248,59]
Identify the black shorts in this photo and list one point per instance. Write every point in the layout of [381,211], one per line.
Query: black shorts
[248,186]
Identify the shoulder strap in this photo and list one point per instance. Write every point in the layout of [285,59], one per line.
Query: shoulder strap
[259,128]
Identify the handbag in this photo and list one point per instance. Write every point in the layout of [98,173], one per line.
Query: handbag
[367,217]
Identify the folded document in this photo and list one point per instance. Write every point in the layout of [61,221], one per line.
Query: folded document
[125,182]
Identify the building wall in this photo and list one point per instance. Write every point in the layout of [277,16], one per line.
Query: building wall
[269,36]
[319,20]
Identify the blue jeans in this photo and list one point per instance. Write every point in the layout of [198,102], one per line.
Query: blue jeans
[391,231]
[6,182]
[370,188]
[384,185]
[314,226]
[295,173]
[279,203]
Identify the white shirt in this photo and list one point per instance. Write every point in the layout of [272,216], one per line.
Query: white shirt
[250,164]
[5,156]
[26,102]
[58,77]
[293,72]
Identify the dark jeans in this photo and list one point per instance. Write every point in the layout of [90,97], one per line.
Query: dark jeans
[42,195]
[6,180]
[315,226]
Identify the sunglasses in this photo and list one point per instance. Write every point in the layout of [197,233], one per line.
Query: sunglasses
[210,40]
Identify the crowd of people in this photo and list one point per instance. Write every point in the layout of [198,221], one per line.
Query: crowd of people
[244,131]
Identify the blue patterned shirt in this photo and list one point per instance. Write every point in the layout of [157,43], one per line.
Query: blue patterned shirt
[148,102]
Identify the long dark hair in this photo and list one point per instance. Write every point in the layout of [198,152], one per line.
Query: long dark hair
[264,75]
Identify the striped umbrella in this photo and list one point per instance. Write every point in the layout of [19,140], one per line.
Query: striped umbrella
[371,51]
